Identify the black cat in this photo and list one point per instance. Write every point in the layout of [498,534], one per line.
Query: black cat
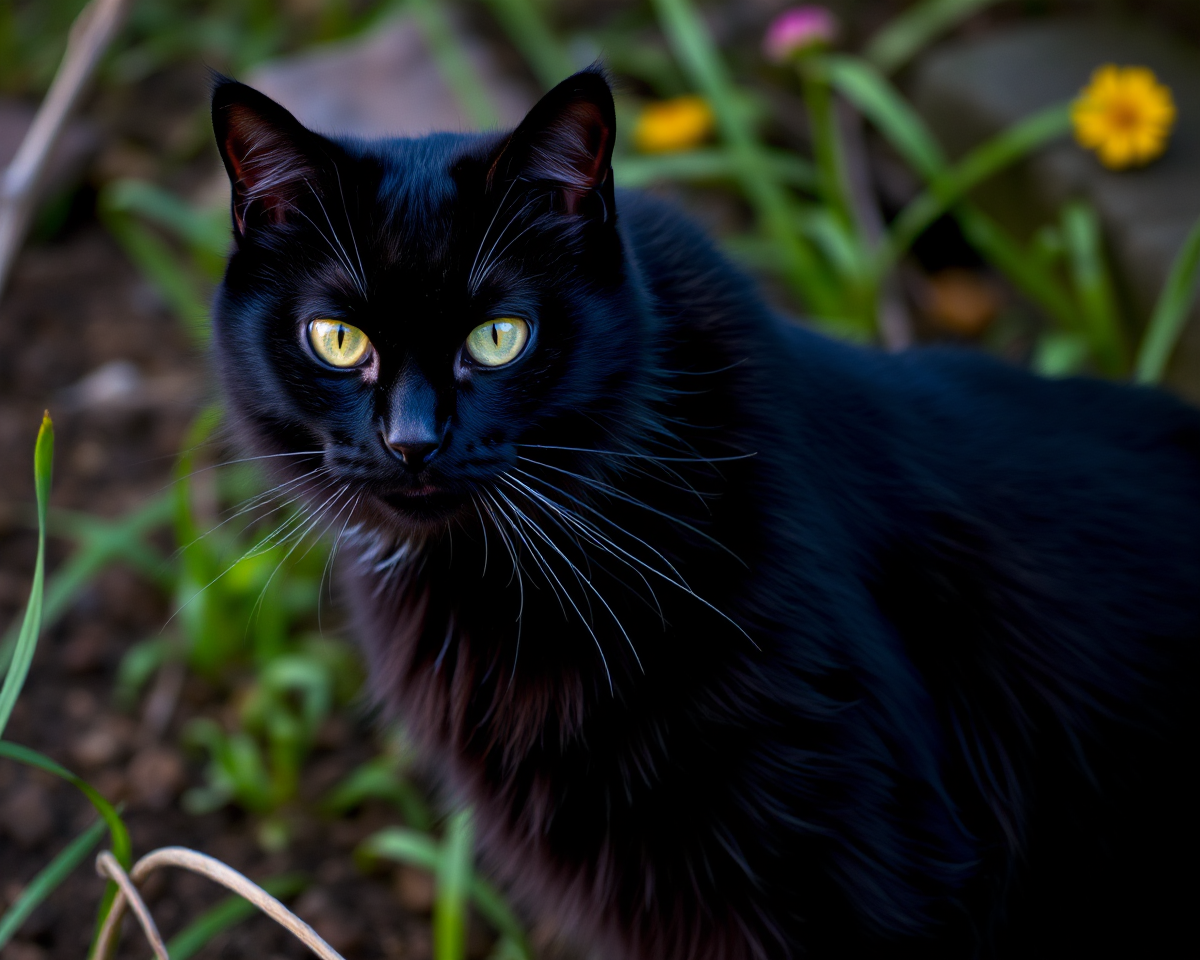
[742,642]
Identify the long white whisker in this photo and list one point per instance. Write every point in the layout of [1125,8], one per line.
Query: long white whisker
[332,229]
[559,514]
[570,599]
[621,495]
[553,546]
[483,239]
[680,583]
[362,273]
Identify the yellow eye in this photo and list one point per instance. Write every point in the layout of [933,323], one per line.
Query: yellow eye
[498,341]
[337,343]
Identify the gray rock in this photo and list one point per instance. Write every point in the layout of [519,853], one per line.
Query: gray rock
[386,84]
[970,89]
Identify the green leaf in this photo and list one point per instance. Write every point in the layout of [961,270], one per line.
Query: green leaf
[48,880]
[1059,354]
[1094,288]
[31,625]
[453,64]
[420,850]
[455,867]
[1025,271]
[882,104]
[205,231]
[908,34]
[1171,311]
[986,160]
[529,32]
[122,849]
[101,543]
[713,163]
[228,913]
[697,53]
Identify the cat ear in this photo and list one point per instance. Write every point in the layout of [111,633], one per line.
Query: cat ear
[266,151]
[566,141]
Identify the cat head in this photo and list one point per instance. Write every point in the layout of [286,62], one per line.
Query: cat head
[399,317]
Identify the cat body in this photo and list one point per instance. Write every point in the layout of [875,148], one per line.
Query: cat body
[742,642]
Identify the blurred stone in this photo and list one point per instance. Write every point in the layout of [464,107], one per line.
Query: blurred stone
[20,950]
[961,302]
[107,741]
[414,889]
[383,85]
[26,815]
[971,89]
[86,648]
[80,704]
[111,783]
[339,928]
[117,382]
[156,776]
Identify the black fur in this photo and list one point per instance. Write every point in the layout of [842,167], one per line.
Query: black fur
[819,651]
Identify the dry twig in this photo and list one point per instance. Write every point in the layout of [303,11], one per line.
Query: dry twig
[107,866]
[90,36]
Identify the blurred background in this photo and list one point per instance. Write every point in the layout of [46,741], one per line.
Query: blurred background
[894,172]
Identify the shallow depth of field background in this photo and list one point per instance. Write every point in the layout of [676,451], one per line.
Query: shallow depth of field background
[913,180]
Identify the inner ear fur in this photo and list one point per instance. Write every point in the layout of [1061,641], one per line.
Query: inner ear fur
[267,153]
[566,140]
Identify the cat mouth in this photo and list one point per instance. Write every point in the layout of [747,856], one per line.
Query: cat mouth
[425,500]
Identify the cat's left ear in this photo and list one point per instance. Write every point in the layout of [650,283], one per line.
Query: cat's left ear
[269,156]
[566,143]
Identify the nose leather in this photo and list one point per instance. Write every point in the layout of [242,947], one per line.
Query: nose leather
[411,429]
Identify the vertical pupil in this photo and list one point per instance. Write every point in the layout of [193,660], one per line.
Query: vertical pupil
[341,335]
[495,335]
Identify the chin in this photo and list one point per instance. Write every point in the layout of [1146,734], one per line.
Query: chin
[425,507]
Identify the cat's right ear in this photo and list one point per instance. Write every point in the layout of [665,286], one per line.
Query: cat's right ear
[266,151]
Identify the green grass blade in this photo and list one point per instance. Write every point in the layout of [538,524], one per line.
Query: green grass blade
[422,851]
[909,33]
[31,625]
[493,908]
[529,32]
[453,63]
[122,848]
[1094,288]
[1003,150]
[1171,312]
[48,880]
[714,163]
[228,913]
[453,883]
[162,267]
[1026,273]
[102,543]
[202,230]
[880,102]
[404,846]
[697,53]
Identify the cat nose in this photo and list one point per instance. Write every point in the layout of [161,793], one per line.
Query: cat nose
[414,451]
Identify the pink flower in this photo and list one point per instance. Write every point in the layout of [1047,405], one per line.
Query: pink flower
[798,30]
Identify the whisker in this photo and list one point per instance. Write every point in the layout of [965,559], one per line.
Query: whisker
[553,546]
[639,456]
[332,229]
[590,533]
[680,583]
[570,599]
[621,495]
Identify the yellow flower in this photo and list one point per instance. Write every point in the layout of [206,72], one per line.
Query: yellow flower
[676,124]
[1125,115]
